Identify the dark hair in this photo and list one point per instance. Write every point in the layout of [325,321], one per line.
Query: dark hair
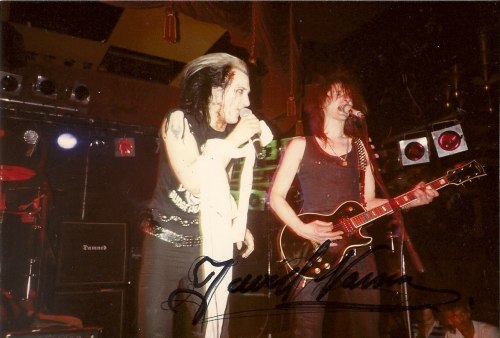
[196,91]
[200,76]
[317,95]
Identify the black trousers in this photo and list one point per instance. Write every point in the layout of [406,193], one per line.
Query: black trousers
[165,268]
[318,321]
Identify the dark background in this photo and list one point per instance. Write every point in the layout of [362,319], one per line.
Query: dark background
[409,57]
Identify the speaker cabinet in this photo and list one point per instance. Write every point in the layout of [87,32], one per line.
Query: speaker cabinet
[86,332]
[92,254]
[103,308]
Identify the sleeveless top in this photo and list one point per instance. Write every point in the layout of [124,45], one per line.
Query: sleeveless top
[324,183]
[173,206]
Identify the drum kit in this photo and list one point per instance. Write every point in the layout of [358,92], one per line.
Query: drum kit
[22,218]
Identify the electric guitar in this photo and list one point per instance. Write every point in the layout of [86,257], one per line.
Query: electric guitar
[351,217]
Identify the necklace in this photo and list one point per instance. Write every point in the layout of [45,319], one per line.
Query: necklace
[343,159]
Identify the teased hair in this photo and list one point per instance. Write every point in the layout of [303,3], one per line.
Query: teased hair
[200,76]
[317,95]
[214,60]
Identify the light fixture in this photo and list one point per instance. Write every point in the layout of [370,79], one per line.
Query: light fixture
[124,147]
[450,140]
[44,86]
[415,150]
[10,83]
[80,93]
[67,141]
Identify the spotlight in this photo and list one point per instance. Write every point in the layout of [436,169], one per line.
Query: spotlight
[80,93]
[124,147]
[67,141]
[449,141]
[11,83]
[45,87]
[414,151]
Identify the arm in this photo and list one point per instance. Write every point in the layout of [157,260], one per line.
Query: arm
[182,149]
[317,231]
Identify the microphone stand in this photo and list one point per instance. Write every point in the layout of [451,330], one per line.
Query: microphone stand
[405,239]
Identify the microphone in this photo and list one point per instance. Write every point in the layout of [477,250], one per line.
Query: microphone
[255,139]
[31,138]
[348,109]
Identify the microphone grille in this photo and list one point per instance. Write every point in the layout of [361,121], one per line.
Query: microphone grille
[30,136]
[245,112]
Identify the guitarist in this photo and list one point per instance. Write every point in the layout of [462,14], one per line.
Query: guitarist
[332,166]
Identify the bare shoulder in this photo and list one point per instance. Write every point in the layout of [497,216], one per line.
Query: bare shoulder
[297,144]
[294,149]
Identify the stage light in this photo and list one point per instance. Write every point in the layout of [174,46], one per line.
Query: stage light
[449,141]
[11,83]
[45,87]
[124,147]
[80,93]
[414,151]
[67,141]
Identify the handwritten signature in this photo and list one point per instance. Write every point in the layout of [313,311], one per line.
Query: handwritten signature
[343,275]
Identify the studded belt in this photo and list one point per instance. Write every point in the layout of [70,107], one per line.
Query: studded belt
[169,236]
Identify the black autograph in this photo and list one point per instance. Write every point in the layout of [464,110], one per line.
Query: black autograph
[343,275]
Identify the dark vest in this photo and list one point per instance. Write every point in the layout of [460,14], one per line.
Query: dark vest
[324,183]
[170,199]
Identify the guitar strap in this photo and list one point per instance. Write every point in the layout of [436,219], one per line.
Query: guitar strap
[362,164]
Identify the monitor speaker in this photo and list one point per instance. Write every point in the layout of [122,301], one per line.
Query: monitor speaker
[92,254]
[85,332]
[103,308]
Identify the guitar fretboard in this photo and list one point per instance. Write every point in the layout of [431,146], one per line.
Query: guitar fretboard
[397,202]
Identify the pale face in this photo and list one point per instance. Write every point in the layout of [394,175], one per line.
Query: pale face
[235,97]
[336,98]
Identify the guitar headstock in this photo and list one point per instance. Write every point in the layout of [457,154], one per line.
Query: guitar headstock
[465,173]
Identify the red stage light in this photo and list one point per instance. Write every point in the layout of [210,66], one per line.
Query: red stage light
[414,151]
[124,147]
[449,140]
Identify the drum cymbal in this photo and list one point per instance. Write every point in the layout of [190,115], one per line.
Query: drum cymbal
[15,173]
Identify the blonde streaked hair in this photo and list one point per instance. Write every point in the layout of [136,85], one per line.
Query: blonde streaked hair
[214,60]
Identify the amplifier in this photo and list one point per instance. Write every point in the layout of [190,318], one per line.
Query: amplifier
[92,254]
[102,308]
[85,332]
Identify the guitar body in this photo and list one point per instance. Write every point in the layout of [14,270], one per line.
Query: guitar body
[350,217]
[296,251]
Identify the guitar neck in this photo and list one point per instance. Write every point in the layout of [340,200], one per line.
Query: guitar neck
[397,202]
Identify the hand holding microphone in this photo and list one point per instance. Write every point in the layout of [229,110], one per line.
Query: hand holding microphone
[348,109]
[255,139]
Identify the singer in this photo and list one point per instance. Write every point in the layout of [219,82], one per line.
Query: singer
[200,139]
[332,166]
